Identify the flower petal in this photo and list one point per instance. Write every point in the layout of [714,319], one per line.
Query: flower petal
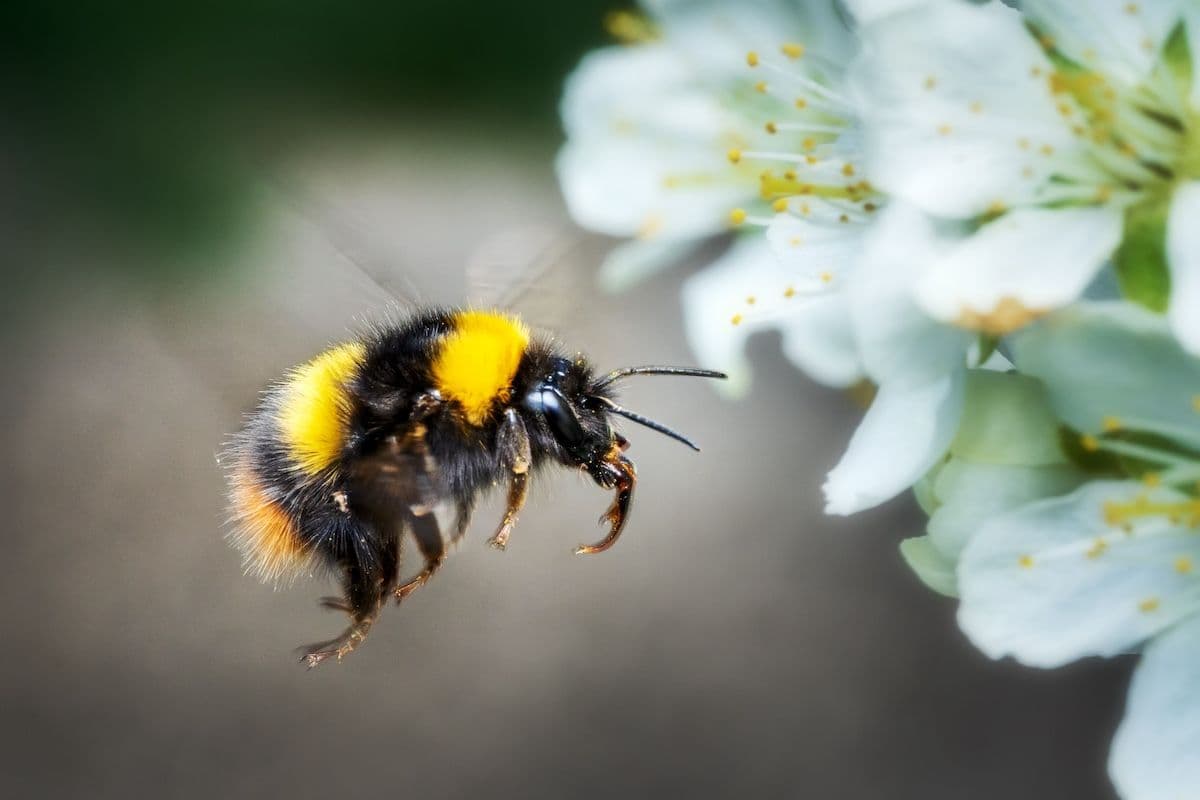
[1028,261]
[1098,362]
[1183,259]
[958,114]
[816,330]
[935,570]
[1054,581]
[898,340]
[904,433]
[1120,38]
[1008,420]
[1156,752]
[971,494]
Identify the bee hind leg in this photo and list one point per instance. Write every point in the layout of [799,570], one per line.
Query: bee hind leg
[428,533]
[512,443]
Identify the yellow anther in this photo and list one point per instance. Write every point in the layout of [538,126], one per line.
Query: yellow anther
[1097,549]
[801,103]
[843,218]
[1035,72]
[737,216]
[772,128]
[630,27]
[1023,143]
[1027,172]
[826,277]
[1089,443]
[997,207]
[651,226]
[789,292]
[1131,8]
[809,143]
[976,107]
[795,241]
[1110,424]
[1103,194]
[869,207]
[790,175]
[761,87]
[1183,565]
[780,205]
[734,155]
[848,170]
[1025,561]
[944,129]
[1184,512]
[805,209]
[751,300]
[736,319]
[1196,403]
[1151,480]
[930,81]
[792,50]
[1046,150]
[811,159]
[1149,605]
[752,59]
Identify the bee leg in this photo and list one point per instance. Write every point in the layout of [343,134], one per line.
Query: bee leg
[618,473]
[462,520]
[512,444]
[363,602]
[428,533]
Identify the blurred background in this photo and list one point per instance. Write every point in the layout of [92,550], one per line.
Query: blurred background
[190,192]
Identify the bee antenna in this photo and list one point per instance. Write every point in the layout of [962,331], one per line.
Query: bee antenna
[617,374]
[649,423]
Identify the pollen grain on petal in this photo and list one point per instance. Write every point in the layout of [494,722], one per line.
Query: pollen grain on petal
[1184,565]
[1025,561]
[1149,605]
[737,216]
[752,59]
[1009,314]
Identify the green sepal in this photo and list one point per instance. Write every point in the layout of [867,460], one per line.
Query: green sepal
[1141,259]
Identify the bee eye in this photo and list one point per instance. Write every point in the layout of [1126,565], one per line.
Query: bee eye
[559,415]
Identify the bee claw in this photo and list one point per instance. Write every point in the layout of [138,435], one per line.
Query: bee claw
[617,513]
[336,604]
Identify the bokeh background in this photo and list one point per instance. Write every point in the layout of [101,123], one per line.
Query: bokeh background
[191,192]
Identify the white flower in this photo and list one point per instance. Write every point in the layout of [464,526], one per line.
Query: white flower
[718,121]
[1115,564]
[1068,136]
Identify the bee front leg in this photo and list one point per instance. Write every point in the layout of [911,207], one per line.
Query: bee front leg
[512,445]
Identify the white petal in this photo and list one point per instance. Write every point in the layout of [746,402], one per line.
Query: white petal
[1183,257]
[898,340]
[957,108]
[970,494]
[1052,581]
[1115,37]
[934,569]
[645,153]
[1112,360]
[1156,752]
[905,432]
[632,262]
[815,329]
[1008,420]
[1038,258]
[866,11]
[815,252]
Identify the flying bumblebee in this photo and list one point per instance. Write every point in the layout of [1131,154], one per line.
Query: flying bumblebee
[399,432]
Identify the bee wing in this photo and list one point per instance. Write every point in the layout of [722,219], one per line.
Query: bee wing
[536,271]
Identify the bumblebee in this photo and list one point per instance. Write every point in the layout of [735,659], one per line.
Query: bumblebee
[398,433]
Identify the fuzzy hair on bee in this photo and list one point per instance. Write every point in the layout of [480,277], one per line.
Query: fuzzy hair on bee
[396,435]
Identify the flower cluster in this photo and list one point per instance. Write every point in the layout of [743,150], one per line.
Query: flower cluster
[992,215]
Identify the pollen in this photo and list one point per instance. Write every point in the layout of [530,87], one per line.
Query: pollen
[1089,443]
[848,170]
[651,226]
[976,107]
[930,82]
[801,103]
[737,216]
[1046,150]
[945,129]
[809,143]
[1183,565]
[734,155]
[792,50]
[1110,424]
[1149,605]
[780,205]
[1025,561]
[1196,403]
[997,207]
[795,241]
[772,128]
[789,292]
[1023,143]
[752,59]
[826,277]
[761,87]
[751,300]
[735,320]
[1098,548]
[1131,8]
[1151,480]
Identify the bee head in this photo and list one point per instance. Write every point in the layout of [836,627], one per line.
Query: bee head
[575,408]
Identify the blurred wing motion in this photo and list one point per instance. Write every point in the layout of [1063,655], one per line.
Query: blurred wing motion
[535,271]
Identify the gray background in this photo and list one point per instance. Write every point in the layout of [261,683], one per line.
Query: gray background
[735,643]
